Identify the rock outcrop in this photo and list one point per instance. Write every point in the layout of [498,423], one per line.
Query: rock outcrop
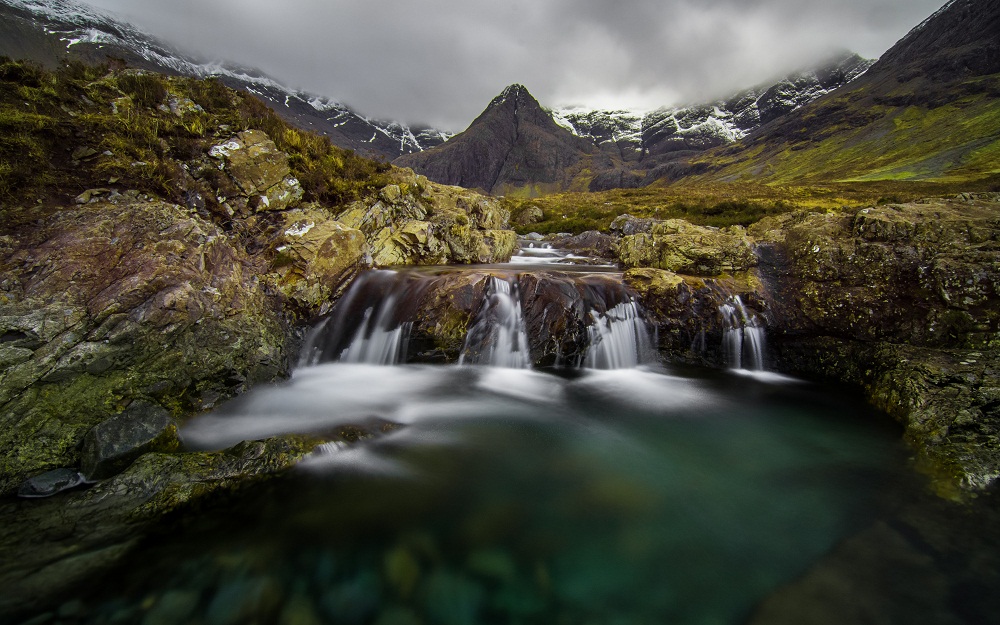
[418,222]
[123,299]
[902,299]
[110,303]
[679,246]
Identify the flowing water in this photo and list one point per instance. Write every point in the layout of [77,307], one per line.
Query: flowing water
[643,495]
[622,491]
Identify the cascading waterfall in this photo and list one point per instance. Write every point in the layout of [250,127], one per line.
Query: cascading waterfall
[498,336]
[379,341]
[743,337]
[367,326]
[619,338]
[386,314]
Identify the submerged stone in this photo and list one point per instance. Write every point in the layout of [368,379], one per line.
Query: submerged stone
[113,445]
[50,483]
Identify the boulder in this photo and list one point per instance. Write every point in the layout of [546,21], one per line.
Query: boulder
[111,446]
[417,222]
[627,225]
[316,257]
[679,246]
[259,170]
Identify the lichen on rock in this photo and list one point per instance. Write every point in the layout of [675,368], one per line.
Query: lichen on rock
[678,246]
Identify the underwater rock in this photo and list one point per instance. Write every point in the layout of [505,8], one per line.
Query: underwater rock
[53,545]
[49,483]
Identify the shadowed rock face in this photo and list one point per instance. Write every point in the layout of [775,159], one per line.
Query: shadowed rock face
[903,300]
[513,143]
[961,38]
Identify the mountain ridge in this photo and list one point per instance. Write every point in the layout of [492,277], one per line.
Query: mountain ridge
[50,31]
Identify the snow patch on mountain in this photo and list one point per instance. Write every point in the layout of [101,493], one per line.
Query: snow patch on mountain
[75,24]
[714,123]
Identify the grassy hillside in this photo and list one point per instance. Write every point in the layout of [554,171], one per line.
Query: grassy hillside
[84,126]
[861,136]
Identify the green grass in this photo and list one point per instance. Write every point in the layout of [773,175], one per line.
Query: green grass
[951,140]
[713,204]
[139,142]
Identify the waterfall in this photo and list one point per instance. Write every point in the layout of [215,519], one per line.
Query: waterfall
[743,336]
[378,341]
[498,336]
[369,325]
[619,338]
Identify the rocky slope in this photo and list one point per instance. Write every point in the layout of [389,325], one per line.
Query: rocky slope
[927,110]
[50,31]
[180,280]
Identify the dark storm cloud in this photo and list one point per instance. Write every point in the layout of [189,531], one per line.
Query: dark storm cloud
[440,61]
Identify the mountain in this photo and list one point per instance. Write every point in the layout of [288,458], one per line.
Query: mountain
[637,135]
[51,31]
[929,110]
[613,148]
[513,145]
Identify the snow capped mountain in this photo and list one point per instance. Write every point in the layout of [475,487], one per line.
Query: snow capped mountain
[49,30]
[702,126]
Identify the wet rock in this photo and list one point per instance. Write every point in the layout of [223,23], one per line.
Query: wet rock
[627,225]
[904,300]
[686,310]
[49,483]
[681,247]
[558,308]
[114,444]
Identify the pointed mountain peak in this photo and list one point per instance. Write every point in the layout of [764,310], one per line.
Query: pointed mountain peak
[517,94]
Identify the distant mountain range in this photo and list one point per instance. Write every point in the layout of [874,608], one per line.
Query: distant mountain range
[927,110]
[49,31]
[619,147]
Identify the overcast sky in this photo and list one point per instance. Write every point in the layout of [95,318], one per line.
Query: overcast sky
[440,62]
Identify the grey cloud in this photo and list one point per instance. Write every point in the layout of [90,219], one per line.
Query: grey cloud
[441,61]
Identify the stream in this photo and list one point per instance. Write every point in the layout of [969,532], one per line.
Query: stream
[613,489]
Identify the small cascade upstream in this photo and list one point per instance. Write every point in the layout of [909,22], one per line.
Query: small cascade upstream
[498,336]
[619,338]
[743,337]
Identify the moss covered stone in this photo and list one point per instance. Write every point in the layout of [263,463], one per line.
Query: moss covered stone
[678,246]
